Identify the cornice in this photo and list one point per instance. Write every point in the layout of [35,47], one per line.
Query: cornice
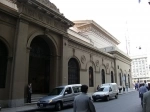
[122,59]
[74,44]
[122,55]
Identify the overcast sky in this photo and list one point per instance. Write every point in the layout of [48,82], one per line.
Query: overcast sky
[121,18]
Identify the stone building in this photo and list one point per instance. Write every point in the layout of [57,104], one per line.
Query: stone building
[36,46]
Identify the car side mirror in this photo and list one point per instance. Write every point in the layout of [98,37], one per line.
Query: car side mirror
[110,90]
[66,93]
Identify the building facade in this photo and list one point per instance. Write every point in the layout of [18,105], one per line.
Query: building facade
[140,68]
[37,47]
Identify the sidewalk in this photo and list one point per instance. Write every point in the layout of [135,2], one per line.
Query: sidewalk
[30,107]
[20,109]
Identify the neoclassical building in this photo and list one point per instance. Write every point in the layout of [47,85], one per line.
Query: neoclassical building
[37,46]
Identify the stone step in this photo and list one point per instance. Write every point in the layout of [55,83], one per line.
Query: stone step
[36,97]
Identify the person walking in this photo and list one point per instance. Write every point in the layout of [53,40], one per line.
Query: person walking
[142,90]
[146,102]
[29,92]
[82,102]
[98,87]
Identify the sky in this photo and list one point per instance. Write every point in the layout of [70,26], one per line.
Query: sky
[124,19]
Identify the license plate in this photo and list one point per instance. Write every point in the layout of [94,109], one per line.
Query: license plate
[41,105]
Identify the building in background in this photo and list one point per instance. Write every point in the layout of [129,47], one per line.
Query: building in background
[140,68]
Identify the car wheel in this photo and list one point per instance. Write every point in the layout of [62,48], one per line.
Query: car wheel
[58,106]
[107,98]
[116,96]
[94,99]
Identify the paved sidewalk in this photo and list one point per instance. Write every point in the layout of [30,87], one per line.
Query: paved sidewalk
[20,109]
[34,106]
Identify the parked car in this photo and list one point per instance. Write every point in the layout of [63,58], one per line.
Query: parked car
[106,92]
[60,96]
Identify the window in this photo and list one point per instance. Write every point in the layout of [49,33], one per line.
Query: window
[103,76]
[68,90]
[112,77]
[120,76]
[76,89]
[91,77]
[73,72]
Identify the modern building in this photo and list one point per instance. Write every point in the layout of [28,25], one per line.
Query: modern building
[37,46]
[140,68]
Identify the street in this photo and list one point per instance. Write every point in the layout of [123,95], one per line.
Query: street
[129,102]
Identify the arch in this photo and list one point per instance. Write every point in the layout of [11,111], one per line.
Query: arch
[73,71]
[93,65]
[91,77]
[3,63]
[7,46]
[76,60]
[40,65]
[102,67]
[38,33]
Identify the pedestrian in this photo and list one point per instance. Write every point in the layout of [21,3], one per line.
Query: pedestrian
[142,90]
[29,92]
[145,84]
[82,102]
[137,85]
[146,102]
[98,87]
[149,86]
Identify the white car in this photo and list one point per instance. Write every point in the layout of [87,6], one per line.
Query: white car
[106,92]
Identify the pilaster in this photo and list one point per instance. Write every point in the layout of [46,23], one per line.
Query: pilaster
[19,65]
[64,65]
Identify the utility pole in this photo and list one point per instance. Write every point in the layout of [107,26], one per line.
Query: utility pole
[127,39]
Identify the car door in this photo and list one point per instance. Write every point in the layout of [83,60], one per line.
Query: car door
[110,92]
[68,96]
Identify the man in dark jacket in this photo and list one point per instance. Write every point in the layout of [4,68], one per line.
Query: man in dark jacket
[29,92]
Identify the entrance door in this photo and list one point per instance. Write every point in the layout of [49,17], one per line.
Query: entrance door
[39,66]
[3,64]
[73,72]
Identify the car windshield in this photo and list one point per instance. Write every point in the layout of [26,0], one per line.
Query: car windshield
[104,89]
[56,91]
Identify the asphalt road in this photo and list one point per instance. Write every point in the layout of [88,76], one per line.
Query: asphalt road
[129,102]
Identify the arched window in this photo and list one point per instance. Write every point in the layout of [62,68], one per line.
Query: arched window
[91,82]
[103,76]
[73,72]
[129,80]
[120,76]
[112,77]
[3,64]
